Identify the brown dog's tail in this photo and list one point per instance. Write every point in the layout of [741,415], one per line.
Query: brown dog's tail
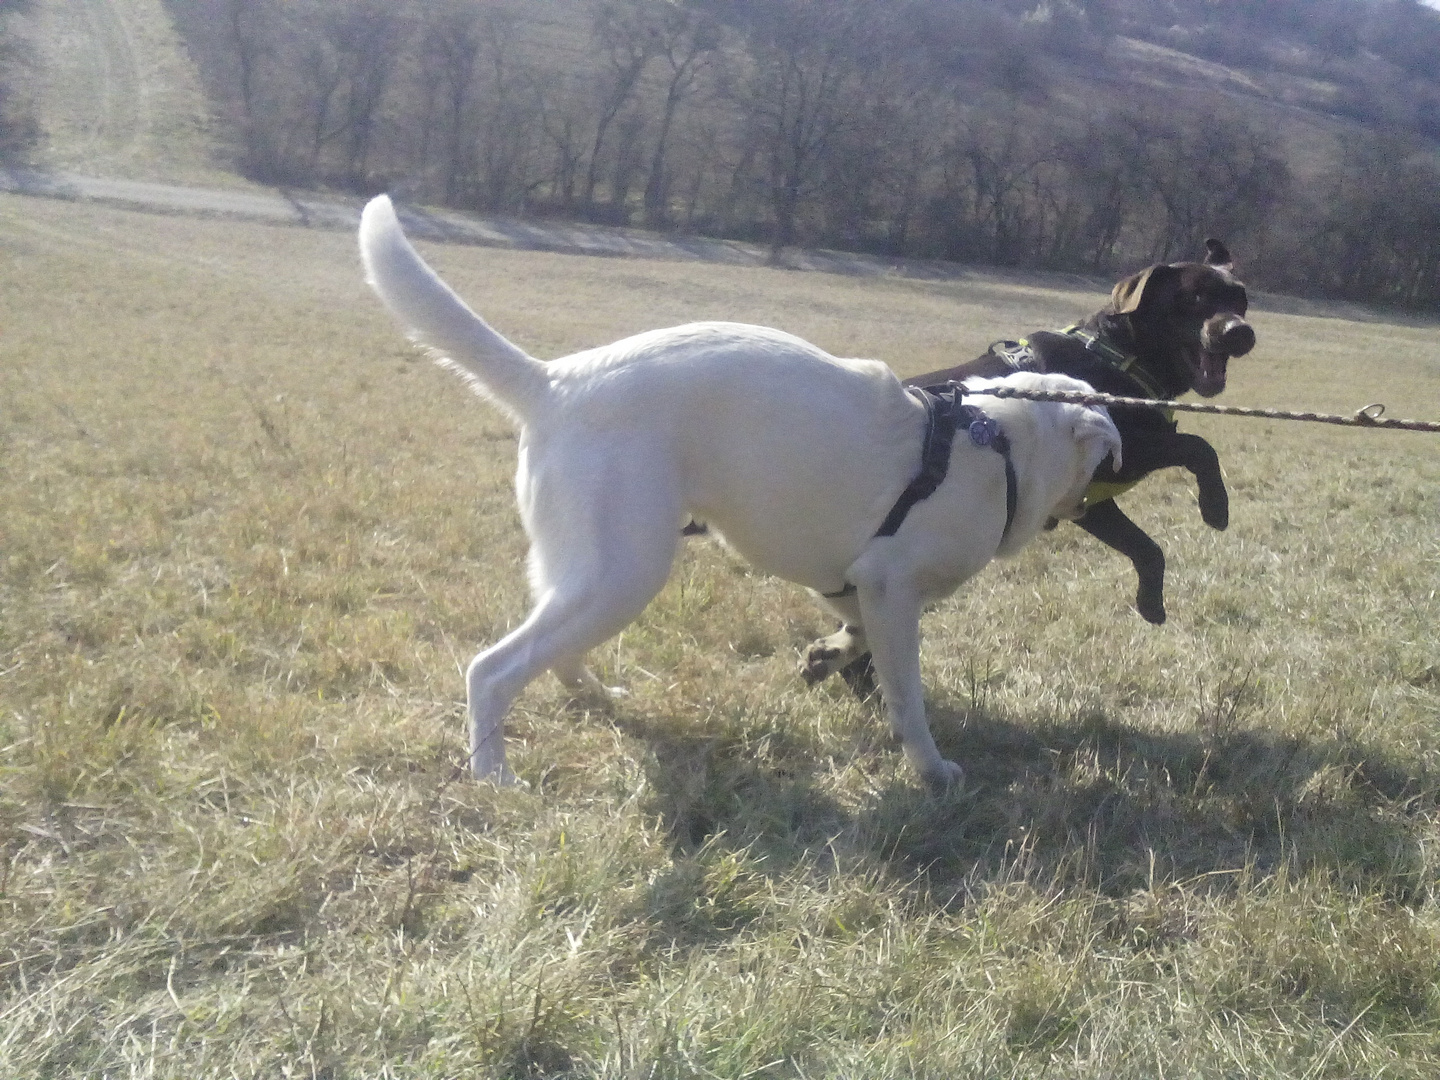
[440,320]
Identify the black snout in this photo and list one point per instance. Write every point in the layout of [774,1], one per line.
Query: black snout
[1228,334]
[1238,340]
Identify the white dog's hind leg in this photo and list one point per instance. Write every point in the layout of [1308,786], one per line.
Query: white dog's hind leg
[595,597]
[562,627]
[891,609]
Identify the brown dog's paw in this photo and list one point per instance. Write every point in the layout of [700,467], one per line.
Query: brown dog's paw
[1215,511]
[819,662]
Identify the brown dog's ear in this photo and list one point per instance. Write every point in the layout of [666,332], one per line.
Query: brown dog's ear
[1126,295]
[1217,254]
[1129,294]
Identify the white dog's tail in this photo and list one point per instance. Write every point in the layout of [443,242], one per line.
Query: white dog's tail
[439,319]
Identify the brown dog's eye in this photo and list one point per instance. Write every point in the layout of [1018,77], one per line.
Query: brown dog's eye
[1225,298]
[1232,299]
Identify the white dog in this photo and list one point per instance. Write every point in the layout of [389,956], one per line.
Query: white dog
[793,455]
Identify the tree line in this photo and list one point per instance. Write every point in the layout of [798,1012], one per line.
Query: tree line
[948,129]
[18,130]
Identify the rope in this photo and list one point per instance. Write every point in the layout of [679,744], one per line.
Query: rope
[1370,416]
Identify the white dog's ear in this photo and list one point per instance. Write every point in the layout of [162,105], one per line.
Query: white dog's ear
[1095,431]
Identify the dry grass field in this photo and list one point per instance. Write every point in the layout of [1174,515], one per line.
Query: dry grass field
[248,540]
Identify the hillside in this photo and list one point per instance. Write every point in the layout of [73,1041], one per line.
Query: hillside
[1073,136]
[1085,137]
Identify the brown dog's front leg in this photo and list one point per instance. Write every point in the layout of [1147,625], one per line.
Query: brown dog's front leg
[859,676]
[1200,458]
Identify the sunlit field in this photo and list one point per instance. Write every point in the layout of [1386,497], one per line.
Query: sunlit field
[249,539]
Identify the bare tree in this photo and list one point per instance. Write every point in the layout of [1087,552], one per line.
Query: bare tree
[686,41]
[562,120]
[248,28]
[366,42]
[1379,238]
[1101,165]
[885,158]
[982,207]
[504,132]
[1210,174]
[627,43]
[319,79]
[449,55]
[807,61]
[18,127]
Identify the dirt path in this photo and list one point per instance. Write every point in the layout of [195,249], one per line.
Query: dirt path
[117,94]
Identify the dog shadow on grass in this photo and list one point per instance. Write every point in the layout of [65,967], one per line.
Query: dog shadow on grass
[1079,801]
[1093,801]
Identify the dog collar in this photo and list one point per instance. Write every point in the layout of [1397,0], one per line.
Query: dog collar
[945,413]
[1124,362]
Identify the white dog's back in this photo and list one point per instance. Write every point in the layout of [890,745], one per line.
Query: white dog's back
[702,412]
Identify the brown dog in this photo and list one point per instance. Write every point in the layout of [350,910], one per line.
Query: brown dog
[1167,330]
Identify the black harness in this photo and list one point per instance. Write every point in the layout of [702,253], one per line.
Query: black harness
[945,414]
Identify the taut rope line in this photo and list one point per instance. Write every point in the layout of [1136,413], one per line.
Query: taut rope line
[1368,417]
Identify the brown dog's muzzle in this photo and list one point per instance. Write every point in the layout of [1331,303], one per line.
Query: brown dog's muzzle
[1227,333]
[1222,337]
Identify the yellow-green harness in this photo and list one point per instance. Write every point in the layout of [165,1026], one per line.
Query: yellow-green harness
[1100,490]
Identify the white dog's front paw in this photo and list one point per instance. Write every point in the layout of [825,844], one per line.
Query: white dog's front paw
[944,777]
[599,697]
[487,762]
[501,777]
[506,778]
[586,690]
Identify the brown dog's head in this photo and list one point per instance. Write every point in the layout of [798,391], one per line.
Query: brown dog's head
[1190,313]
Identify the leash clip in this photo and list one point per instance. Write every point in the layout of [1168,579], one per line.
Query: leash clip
[1370,413]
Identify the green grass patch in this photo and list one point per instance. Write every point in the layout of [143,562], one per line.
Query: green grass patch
[250,540]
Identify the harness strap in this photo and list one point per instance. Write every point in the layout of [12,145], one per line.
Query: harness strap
[1018,355]
[1126,363]
[944,413]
